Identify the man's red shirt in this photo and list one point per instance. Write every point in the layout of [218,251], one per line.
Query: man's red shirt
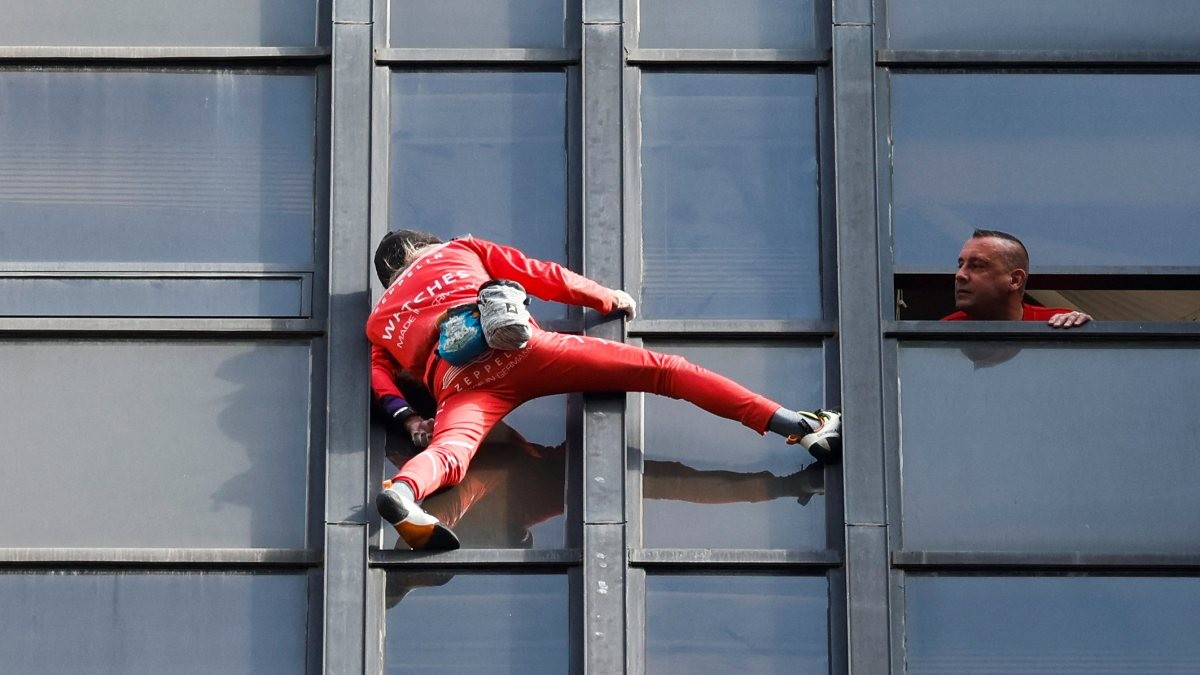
[1028,313]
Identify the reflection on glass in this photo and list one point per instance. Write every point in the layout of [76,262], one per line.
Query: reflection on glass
[736,624]
[193,444]
[750,491]
[153,623]
[729,196]
[513,493]
[474,24]
[1070,163]
[475,623]
[186,167]
[1050,625]
[1029,447]
[482,154]
[718,24]
[166,23]
[1037,24]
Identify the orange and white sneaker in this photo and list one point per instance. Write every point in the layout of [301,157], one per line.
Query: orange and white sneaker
[824,437]
[420,530]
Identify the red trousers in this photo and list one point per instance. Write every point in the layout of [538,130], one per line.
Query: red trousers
[473,398]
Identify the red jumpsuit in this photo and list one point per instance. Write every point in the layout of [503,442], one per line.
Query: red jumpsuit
[471,399]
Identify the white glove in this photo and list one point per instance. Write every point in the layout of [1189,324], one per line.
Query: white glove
[623,302]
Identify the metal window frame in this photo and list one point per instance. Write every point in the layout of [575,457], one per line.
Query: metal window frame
[643,560]
[569,560]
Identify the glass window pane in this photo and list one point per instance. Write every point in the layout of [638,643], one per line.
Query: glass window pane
[969,625]
[153,623]
[719,24]
[155,23]
[470,23]
[156,297]
[169,167]
[1050,448]
[114,444]
[729,196]
[1038,24]
[749,491]
[736,624]
[513,495]
[442,622]
[930,297]
[484,154]
[1073,164]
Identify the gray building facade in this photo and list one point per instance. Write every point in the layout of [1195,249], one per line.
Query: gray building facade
[189,198]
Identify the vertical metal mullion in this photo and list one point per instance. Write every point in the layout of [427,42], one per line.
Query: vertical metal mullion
[859,332]
[603,575]
[347,402]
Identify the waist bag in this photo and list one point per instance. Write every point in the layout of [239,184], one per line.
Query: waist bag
[460,335]
[504,313]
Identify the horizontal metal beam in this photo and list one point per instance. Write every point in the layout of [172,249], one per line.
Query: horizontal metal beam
[719,56]
[707,558]
[477,557]
[137,327]
[163,53]
[934,57]
[768,328]
[1096,330]
[1006,561]
[480,56]
[157,557]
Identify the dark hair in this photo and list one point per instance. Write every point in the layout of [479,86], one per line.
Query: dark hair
[392,254]
[1017,256]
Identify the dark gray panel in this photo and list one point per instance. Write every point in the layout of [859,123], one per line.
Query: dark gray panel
[469,23]
[154,444]
[214,23]
[1037,24]
[440,622]
[127,166]
[736,624]
[152,297]
[482,153]
[128,624]
[1051,625]
[513,493]
[748,491]
[1043,448]
[701,24]
[1070,163]
[730,203]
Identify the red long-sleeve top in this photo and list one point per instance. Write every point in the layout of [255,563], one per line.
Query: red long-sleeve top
[403,326]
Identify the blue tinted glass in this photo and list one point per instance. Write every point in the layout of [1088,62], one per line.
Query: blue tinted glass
[1051,625]
[698,24]
[194,444]
[442,622]
[162,297]
[153,624]
[736,624]
[729,196]
[213,23]
[1038,24]
[194,167]
[750,491]
[1070,163]
[513,493]
[484,154]
[1036,447]
[470,23]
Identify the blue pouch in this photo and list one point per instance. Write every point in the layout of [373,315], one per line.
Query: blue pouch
[460,335]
